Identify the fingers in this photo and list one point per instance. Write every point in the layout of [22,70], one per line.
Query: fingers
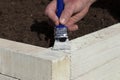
[73,27]
[67,18]
[51,12]
[71,22]
[77,17]
[67,13]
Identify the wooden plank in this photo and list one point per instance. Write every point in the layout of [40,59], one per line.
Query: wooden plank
[95,37]
[28,62]
[96,51]
[88,53]
[3,77]
[109,71]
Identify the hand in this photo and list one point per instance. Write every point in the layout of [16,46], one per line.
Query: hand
[74,11]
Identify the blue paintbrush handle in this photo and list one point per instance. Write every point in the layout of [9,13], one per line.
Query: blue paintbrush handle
[60,7]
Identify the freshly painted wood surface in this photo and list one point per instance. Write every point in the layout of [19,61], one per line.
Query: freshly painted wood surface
[108,71]
[3,77]
[28,62]
[98,48]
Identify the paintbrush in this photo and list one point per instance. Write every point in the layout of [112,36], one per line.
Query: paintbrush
[61,33]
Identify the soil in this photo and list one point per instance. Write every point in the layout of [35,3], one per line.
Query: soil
[24,20]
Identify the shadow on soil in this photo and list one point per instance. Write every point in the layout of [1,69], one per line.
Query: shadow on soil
[44,28]
[111,5]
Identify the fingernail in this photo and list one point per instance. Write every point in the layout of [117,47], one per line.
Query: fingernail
[76,27]
[62,21]
[56,23]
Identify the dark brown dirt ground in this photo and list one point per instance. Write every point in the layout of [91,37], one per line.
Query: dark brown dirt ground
[24,20]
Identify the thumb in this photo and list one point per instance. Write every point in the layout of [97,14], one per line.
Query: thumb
[66,14]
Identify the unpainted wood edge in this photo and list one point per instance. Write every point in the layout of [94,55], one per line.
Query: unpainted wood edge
[61,69]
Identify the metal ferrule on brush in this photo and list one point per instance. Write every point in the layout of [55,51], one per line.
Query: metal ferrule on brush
[61,33]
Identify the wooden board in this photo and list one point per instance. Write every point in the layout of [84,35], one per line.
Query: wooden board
[4,77]
[109,71]
[92,57]
[28,62]
[99,48]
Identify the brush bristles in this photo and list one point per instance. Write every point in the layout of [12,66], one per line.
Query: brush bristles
[61,45]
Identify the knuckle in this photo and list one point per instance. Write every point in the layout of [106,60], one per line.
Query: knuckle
[46,10]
